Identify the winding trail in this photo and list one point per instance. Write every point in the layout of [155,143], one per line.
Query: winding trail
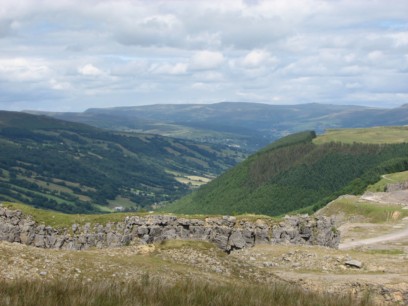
[384,176]
[388,237]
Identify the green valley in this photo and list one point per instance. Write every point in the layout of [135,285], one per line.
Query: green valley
[76,168]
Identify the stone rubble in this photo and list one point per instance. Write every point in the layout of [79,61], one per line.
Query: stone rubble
[226,232]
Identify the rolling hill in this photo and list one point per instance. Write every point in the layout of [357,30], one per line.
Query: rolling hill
[74,167]
[300,172]
[248,125]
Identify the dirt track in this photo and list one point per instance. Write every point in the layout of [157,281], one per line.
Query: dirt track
[396,197]
[383,238]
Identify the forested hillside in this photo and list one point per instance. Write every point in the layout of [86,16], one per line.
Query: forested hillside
[295,173]
[76,168]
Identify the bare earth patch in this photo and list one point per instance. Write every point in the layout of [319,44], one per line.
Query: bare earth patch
[396,197]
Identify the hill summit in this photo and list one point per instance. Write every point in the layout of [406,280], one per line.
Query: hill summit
[295,173]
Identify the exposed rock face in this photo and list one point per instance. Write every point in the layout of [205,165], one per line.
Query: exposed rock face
[396,187]
[226,232]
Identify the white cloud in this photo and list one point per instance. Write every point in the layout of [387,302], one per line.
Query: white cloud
[202,86]
[54,84]
[375,55]
[152,30]
[353,85]
[400,39]
[209,76]
[352,70]
[100,52]
[258,58]
[179,68]
[23,69]
[90,70]
[128,68]
[206,60]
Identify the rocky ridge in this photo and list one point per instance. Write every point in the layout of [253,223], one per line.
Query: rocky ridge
[226,232]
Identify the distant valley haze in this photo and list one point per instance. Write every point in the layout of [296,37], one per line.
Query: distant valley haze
[249,126]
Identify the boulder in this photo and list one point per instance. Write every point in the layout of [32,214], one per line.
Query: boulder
[236,241]
[354,263]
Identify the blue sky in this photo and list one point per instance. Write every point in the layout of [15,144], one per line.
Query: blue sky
[69,55]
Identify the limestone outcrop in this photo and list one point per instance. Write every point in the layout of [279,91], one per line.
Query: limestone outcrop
[226,232]
[396,186]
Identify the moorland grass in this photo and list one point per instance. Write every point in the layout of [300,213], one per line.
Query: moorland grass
[150,292]
[374,212]
[375,135]
[391,178]
[62,220]
[386,251]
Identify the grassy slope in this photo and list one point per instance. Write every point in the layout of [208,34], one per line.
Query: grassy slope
[376,135]
[391,178]
[68,166]
[300,174]
[61,220]
[353,207]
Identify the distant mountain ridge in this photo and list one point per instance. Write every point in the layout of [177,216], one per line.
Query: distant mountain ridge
[249,125]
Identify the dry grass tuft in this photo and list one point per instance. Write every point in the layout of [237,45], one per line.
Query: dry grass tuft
[153,292]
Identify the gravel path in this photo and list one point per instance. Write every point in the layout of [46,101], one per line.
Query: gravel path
[383,238]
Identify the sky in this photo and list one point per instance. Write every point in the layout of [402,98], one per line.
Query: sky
[70,55]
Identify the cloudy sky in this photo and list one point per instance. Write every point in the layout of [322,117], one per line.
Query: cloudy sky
[69,55]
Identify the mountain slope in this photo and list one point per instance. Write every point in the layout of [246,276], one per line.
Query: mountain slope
[295,173]
[73,167]
[250,125]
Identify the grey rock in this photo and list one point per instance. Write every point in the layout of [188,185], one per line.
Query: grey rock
[184,222]
[142,230]
[354,263]
[169,233]
[182,232]
[155,231]
[225,232]
[396,187]
[39,241]
[236,240]
[229,221]
[146,238]
[249,236]
[221,241]
[262,236]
